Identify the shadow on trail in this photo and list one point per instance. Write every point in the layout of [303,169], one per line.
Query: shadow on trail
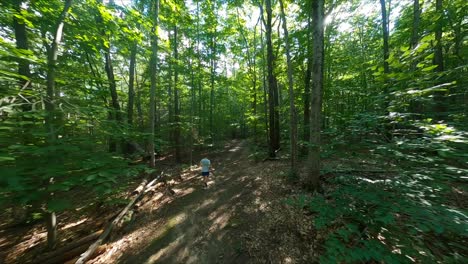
[201,225]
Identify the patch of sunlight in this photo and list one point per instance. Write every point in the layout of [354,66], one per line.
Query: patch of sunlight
[173,245]
[287,260]
[176,220]
[235,149]
[214,214]
[452,138]
[261,205]
[183,192]
[220,222]
[373,181]
[207,203]
[79,222]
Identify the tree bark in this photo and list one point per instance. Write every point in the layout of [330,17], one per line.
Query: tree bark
[131,84]
[178,151]
[438,55]
[416,20]
[212,82]
[115,113]
[440,105]
[264,77]
[50,120]
[272,87]
[292,106]
[153,70]
[21,39]
[308,73]
[316,95]
[385,36]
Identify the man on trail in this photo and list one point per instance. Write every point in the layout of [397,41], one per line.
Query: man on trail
[205,170]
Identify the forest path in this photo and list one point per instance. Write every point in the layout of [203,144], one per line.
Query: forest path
[197,225]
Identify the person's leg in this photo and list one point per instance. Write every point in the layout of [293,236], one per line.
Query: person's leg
[205,178]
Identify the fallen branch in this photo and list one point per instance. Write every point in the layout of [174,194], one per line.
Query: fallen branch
[70,250]
[87,255]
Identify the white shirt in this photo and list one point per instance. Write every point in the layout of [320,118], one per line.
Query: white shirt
[205,163]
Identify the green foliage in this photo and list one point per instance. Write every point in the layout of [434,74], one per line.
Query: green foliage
[392,221]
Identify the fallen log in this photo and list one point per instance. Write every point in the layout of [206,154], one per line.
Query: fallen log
[98,252]
[67,255]
[60,253]
[88,254]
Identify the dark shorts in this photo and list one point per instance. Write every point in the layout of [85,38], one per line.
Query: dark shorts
[205,173]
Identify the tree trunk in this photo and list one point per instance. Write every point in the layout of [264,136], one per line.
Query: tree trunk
[386,54]
[212,80]
[21,39]
[416,20]
[199,84]
[385,36]
[440,107]
[131,91]
[264,81]
[170,100]
[115,114]
[131,84]
[273,87]
[292,106]
[50,120]
[316,94]
[308,73]
[178,157]
[153,70]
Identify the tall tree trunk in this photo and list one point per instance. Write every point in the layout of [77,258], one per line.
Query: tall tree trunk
[292,106]
[199,75]
[50,120]
[308,73]
[131,84]
[440,105]
[273,86]
[438,56]
[316,94]
[115,114]
[415,104]
[21,39]
[131,92]
[178,157]
[170,101]
[212,82]
[386,52]
[153,72]
[264,79]
[416,20]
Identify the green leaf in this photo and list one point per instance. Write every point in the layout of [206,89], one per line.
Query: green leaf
[430,68]
[58,205]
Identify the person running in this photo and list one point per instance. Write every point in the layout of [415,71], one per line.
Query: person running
[205,164]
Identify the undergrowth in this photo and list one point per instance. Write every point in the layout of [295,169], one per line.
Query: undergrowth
[408,216]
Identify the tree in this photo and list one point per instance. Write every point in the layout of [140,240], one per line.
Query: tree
[273,94]
[316,95]
[292,106]
[153,73]
[51,115]
[21,39]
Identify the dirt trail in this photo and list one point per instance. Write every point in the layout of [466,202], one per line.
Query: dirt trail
[197,225]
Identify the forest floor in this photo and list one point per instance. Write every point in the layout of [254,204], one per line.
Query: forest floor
[244,216]
[196,224]
[219,224]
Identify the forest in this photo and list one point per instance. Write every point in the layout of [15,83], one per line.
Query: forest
[337,131]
